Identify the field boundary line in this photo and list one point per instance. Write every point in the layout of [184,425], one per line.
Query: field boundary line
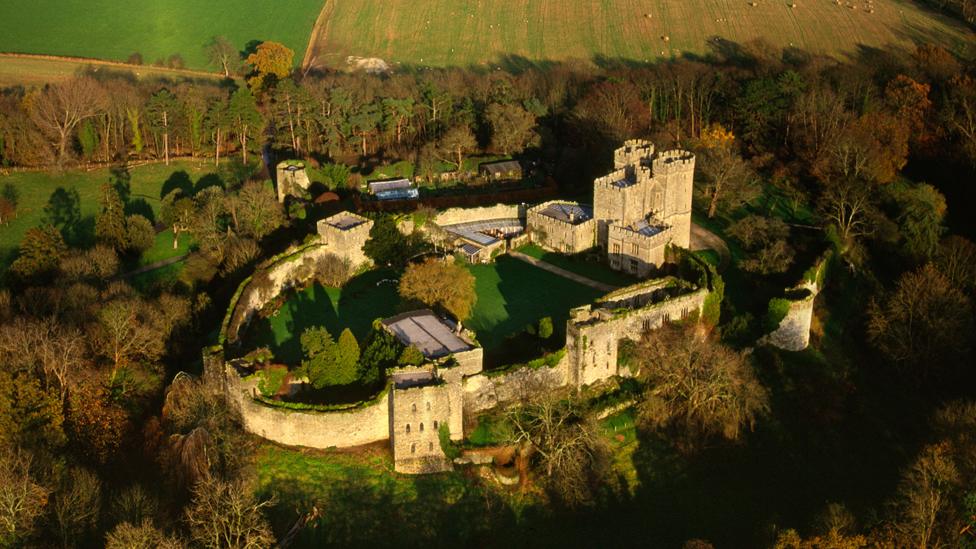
[317,29]
[117,64]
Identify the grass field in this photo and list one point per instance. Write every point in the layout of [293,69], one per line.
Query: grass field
[106,29]
[594,270]
[511,295]
[37,71]
[508,33]
[146,184]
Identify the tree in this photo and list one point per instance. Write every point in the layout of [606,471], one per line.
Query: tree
[512,127]
[60,108]
[110,226]
[388,247]
[177,212]
[381,351]
[766,240]
[454,144]
[225,515]
[161,110]
[125,535]
[545,327]
[321,358]
[63,210]
[347,358]
[924,498]
[445,286]
[569,448]
[270,62]
[218,122]
[40,252]
[255,210]
[246,118]
[696,385]
[729,180]
[956,259]
[398,113]
[924,323]
[224,55]
[76,504]
[22,498]
[922,209]
[848,206]
[140,233]
[9,199]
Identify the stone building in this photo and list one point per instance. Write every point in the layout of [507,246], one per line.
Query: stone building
[644,205]
[292,179]
[639,208]
[565,227]
[506,170]
[427,398]
[345,233]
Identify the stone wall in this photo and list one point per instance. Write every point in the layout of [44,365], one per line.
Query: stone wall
[483,392]
[793,333]
[313,429]
[593,334]
[267,283]
[454,216]
[417,414]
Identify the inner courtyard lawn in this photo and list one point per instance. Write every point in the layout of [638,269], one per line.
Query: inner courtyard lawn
[593,267]
[511,295]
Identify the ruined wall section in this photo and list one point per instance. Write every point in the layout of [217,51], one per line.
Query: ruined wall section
[416,416]
[593,335]
[484,392]
[793,333]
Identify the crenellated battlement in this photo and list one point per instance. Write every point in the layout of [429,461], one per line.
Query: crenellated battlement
[675,160]
[634,153]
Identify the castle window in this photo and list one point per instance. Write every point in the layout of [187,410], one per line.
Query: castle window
[408,428]
[413,448]
[634,249]
[633,266]
[414,407]
[615,248]
[428,406]
[421,427]
[435,424]
[430,446]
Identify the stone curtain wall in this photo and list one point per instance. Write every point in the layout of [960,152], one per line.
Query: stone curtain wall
[313,429]
[793,333]
[592,344]
[454,216]
[267,283]
[483,392]
[415,421]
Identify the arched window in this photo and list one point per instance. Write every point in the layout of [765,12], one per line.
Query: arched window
[421,427]
[435,424]
[413,448]
[414,406]
[408,428]
[428,406]
[430,446]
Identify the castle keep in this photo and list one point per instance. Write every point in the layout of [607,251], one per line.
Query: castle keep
[639,208]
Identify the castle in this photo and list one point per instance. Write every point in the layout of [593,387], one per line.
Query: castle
[639,208]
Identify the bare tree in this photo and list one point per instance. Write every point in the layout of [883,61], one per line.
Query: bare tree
[76,505]
[224,55]
[924,498]
[59,109]
[22,499]
[145,534]
[697,385]
[226,515]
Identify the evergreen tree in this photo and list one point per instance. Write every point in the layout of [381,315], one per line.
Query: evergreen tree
[110,226]
[321,355]
[347,358]
[40,252]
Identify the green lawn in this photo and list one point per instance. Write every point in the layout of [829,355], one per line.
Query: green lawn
[516,33]
[365,504]
[579,264]
[354,306]
[511,295]
[107,29]
[147,183]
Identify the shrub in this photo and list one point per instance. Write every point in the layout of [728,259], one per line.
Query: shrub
[778,309]
[450,449]
[141,234]
[270,380]
[545,327]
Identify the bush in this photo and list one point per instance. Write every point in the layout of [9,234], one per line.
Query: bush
[270,380]
[778,309]
[141,233]
[545,327]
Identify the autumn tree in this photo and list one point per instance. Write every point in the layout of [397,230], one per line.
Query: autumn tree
[956,260]
[22,497]
[60,108]
[696,385]
[441,285]
[76,504]
[765,238]
[729,181]
[126,535]
[924,323]
[924,499]
[270,62]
